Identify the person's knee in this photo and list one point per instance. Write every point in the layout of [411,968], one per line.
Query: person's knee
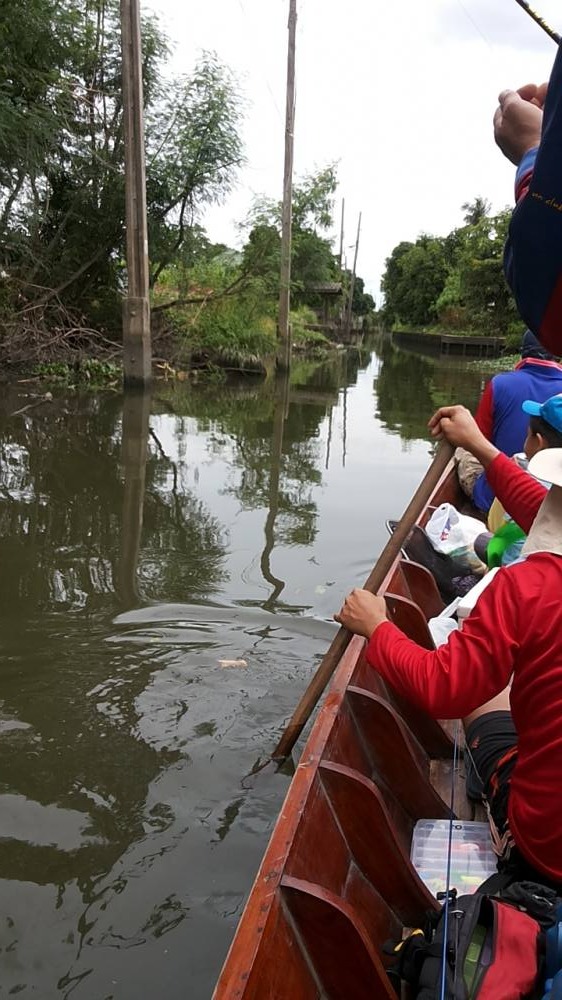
[469,470]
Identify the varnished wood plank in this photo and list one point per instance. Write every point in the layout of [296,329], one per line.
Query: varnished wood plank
[397,759]
[361,810]
[331,930]
[422,588]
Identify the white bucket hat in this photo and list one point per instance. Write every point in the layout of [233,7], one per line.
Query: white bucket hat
[547,465]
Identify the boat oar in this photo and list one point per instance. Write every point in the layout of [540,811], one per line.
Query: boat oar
[375,580]
[538,20]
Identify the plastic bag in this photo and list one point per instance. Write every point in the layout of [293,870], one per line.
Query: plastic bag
[454,534]
[440,628]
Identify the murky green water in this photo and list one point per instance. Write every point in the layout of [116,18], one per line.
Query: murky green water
[141,544]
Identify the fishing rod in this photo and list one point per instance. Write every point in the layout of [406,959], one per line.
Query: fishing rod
[538,20]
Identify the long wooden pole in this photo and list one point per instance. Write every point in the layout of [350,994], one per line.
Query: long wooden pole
[341,231]
[137,353]
[352,282]
[373,583]
[284,332]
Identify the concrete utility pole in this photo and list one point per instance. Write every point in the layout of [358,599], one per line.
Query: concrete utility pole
[137,349]
[284,332]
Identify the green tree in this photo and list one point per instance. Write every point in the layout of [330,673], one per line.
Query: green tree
[61,159]
[363,302]
[476,294]
[415,276]
[312,258]
[193,151]
[475,211]
[457,279]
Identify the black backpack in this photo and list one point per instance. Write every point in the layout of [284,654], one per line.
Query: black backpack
[494,949]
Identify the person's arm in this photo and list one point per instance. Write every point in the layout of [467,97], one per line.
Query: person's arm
[473,666]
[533,252]
[484,415]
[518,492]
[524,174]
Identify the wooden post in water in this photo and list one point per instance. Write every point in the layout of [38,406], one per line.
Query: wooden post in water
[137,352]
[352,283]
[136,418]
[283,331]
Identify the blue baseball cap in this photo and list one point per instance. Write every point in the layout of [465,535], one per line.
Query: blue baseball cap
[551,411]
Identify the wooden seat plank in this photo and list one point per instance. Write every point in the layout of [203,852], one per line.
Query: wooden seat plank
[422,588]
[374,841]
[429,733]
[408,617]
[398,761]
[329,928]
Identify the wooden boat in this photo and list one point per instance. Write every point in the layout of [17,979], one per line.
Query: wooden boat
[336,881]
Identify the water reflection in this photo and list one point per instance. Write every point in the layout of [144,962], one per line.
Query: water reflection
[136,416]
[281,403]
[410,387]
[145,543]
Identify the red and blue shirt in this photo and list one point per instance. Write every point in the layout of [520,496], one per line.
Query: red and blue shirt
[499,414]
[514,629]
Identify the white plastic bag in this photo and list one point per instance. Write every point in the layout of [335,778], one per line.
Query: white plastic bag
[440,628]
[454,534]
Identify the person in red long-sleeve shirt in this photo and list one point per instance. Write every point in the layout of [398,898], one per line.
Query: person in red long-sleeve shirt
[513,632]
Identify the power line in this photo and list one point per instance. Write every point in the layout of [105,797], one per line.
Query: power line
[269,88]
[475,25]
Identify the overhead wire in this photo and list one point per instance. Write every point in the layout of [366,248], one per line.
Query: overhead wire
[264,75]
[474,24]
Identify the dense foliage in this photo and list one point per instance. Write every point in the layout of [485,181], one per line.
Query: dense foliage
[62,205]
[455,281]
[61,156]
[313,262]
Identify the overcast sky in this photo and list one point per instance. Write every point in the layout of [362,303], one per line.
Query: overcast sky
[400,93]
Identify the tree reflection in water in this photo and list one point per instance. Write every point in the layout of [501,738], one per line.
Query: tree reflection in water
[410,387]
[108,731]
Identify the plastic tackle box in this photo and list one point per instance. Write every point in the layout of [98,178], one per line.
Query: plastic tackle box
[472,857]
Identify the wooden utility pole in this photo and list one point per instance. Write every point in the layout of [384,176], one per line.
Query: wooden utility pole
[284,332]
[352,283]
[137,355]
[341,231]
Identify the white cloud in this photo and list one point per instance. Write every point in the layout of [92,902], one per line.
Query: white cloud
[400,93]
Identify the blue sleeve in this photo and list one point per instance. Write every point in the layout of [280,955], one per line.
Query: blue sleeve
[533,253]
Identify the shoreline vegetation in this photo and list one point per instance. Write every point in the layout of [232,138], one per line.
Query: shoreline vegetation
[454,284]
[62,208]
[214,307]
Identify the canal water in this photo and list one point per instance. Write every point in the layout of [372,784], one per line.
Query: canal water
[170,566]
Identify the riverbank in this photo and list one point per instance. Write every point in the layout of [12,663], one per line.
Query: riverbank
[457,343]
[212,352]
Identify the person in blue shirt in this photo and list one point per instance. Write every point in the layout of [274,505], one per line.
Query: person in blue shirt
[500,416]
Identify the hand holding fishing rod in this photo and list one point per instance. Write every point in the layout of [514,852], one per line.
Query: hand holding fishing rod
[518,120]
